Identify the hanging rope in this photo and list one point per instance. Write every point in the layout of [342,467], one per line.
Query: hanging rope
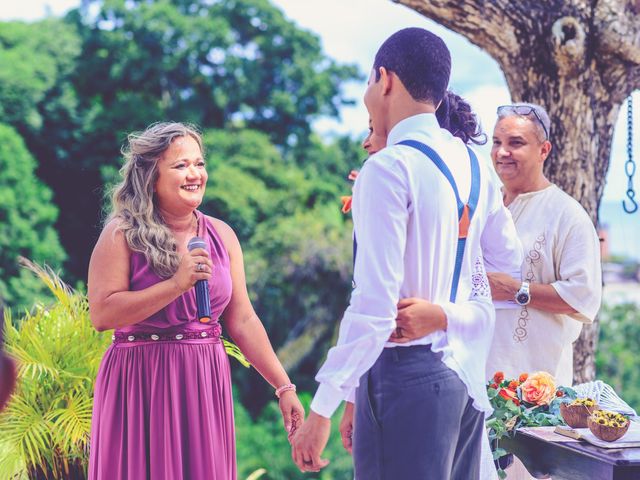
[630,165]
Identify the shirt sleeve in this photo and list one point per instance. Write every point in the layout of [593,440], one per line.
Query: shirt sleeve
[501,247]
[579,269]
[470,326]
[380,207]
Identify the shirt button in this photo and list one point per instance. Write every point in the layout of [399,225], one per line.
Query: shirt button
[179,336]
[154,337]
[131,338]
[203,334]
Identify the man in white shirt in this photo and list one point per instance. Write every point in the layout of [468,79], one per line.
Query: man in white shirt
[419,404]
[560,287]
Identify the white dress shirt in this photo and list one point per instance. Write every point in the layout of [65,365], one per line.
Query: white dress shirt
[406,225]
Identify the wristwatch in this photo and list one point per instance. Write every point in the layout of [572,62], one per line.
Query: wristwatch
[522,296]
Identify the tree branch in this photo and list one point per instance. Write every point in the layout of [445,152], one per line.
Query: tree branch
[491,25]
[617,25]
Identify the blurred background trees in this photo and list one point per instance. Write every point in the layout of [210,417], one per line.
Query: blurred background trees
[71,89]
[27,218]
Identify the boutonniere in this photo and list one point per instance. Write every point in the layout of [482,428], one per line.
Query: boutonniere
[346,199]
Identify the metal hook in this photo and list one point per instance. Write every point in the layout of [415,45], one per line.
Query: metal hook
[631,195]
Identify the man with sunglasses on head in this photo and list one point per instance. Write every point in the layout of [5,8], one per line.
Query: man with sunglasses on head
[560,285]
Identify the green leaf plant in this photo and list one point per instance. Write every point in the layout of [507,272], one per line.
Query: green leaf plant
[45,429]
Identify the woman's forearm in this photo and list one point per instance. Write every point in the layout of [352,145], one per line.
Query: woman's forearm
[251,337]
[121,309]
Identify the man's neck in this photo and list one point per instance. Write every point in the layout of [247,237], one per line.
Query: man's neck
[404,109]
[511,191]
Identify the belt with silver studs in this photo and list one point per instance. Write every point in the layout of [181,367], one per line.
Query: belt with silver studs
[211,333]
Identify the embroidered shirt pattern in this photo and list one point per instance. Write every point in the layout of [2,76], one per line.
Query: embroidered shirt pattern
[479,282]
[533,257]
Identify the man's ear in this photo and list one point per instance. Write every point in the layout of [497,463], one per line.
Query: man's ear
[545,149]
[386,80]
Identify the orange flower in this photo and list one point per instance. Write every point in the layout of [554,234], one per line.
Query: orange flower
[498,377]
[507,394]
[346,203]
[513,385]
[523,377]
[539,388]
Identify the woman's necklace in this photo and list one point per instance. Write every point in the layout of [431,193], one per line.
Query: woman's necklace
[196,223]
[193,229]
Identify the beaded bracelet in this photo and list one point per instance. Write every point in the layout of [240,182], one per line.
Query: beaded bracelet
[285,388]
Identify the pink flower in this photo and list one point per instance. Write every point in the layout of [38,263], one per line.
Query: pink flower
[539,388]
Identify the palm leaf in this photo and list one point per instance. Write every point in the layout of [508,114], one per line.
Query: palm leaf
[11,463]
[233,351]
[60,290]
[72,424]
[25,426]
[48,420]
[257,474]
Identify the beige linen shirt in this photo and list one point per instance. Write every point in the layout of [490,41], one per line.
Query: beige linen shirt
[561,248]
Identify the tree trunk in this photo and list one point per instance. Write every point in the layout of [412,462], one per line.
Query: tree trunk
[578,59]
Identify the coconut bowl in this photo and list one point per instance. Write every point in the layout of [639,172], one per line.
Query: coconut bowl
[576,415]
[605,432]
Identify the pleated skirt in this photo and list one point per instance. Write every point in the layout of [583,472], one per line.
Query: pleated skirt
[163,411]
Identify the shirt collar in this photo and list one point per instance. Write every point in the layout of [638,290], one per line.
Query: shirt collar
[416,123]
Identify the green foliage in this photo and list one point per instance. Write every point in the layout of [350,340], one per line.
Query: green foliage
[74,87]
[33,57]
[299,271]
[263,444]
[47,422]
[211,63]
[27,217]
[249,180]
[328,163]
[616,356]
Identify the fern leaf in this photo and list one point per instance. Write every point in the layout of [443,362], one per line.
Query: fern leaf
[233,351]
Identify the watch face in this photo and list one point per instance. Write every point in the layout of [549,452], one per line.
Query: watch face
[522,298]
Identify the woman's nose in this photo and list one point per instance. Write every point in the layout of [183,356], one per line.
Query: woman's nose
[193,171]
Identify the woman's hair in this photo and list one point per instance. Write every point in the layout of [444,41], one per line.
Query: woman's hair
[133,200]
[454,114]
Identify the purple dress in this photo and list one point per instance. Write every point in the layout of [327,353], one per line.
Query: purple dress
[162,406]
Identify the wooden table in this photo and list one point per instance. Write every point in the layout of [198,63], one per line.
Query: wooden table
[573,460]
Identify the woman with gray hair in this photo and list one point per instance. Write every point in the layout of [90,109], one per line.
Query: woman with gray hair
[163,406]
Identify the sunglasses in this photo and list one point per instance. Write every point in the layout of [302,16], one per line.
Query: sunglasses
[525,111]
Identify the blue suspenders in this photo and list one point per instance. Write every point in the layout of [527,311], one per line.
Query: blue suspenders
[465,212]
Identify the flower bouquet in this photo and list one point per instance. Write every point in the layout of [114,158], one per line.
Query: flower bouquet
[528,401]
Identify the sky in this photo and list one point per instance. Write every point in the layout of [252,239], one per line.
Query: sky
[351,31]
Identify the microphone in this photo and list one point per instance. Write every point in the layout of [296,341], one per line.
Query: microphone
[202,286]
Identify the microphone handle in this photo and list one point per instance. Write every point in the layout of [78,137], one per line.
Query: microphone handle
[202,301]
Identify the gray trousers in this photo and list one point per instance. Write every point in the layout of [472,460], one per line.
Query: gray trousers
[414,420]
